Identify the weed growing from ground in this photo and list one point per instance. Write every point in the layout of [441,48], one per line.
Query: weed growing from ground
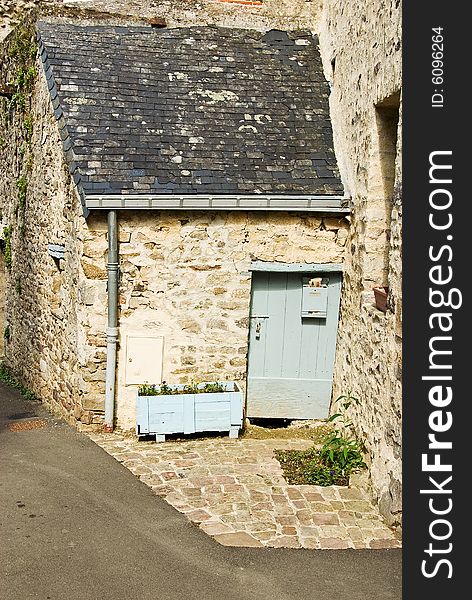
[8,378]
[340,455]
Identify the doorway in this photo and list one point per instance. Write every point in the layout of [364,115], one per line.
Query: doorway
[292,344]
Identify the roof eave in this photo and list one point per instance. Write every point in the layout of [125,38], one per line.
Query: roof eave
[310,203]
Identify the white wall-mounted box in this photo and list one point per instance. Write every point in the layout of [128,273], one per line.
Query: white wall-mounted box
[315,301]
[144,356]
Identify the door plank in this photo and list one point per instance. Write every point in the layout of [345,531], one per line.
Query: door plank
[275,324]
[292,334]
[278,398]
[257,347]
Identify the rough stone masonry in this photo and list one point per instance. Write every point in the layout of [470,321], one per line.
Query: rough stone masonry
[185,275]
[361,57]
[361,52]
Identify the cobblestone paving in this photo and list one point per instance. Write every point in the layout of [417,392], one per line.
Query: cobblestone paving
[235,492]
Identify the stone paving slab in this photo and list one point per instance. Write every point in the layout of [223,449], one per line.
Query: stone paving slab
[235,492]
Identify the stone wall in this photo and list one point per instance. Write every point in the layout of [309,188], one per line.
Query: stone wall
[185,276]
[52,348]
[40,207]
[362,60]
[3,333]
[271,14]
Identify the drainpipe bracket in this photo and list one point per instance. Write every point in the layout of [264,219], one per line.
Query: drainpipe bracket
[112,335]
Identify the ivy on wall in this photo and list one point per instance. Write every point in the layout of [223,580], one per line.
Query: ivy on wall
[22,50]
[21,73]
[7,246]
[18,77]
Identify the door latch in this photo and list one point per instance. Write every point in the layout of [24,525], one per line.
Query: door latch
[258,320]
[258,330]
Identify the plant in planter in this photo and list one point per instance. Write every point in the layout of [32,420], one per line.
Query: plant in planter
[189,388]
[189,408]
[340,455]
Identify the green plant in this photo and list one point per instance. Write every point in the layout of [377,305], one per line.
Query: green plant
[147,389]
[7,233]
[189,388]
[343,448]
[213,388]
[22,50]
[194,387]
[340,455]
[7,333]
[28,127]
[18,285]
[22,85]
[22,186]
[22,46]
[8,378]
[29,163]
[347,454]
[305,467]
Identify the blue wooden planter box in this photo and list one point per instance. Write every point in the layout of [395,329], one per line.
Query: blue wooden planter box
[191,413]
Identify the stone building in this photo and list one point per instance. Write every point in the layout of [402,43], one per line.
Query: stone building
[186,274]
[361,52]
[213,149]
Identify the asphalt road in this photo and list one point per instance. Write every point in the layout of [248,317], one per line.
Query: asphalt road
[76,525]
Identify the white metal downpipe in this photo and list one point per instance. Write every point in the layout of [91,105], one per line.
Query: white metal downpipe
[112,330]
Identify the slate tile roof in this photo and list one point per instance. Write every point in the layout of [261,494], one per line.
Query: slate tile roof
[200,110]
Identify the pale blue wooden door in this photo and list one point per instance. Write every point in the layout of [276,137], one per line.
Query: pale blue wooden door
[291,357]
